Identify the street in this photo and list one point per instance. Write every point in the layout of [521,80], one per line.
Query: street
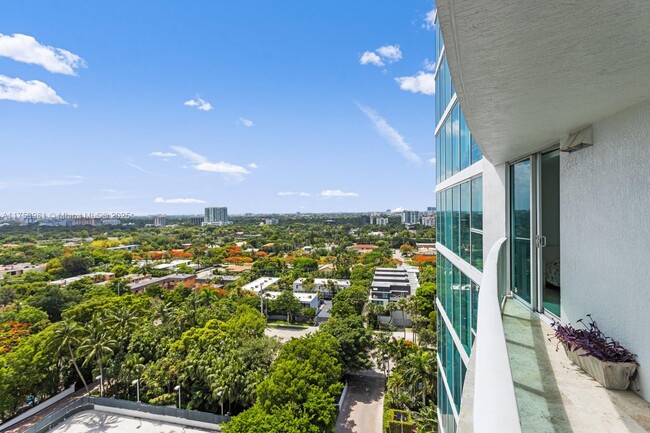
[362,411]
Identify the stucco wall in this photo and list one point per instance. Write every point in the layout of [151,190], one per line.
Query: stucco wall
[605,229]
[494,205]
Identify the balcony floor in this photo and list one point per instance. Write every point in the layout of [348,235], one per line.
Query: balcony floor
[554,395]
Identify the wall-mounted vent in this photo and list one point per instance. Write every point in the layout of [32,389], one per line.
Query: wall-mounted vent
[577,140]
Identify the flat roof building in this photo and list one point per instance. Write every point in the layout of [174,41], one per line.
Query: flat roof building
[261,284]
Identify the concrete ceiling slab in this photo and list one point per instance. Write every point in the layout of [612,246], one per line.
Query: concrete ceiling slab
[528,72]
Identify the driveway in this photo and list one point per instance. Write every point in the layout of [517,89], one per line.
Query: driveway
[286,333]
[362,411]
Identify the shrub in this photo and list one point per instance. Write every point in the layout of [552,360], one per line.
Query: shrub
[592,340]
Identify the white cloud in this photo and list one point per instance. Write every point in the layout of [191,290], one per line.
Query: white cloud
[252,165]
[178,200]
[429,65]
[338,193]
[429,19]
[69,180]
[398,210]
[390,134]
[287,193]
[33,91]
[391,53]
[201,163]
[433,160]
[246,122]
[386,53]
[163,154]
[423,82]
[199,103]
[26,49]
[370,58]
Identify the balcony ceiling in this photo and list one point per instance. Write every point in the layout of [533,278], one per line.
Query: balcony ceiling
[528,72]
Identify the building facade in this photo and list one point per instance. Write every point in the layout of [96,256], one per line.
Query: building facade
[160,220]
[216,216]
[410,217]
[459,243]
[544,206]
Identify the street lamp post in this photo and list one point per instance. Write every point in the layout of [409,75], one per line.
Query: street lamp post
[386,364]
[137,384]
[219,394]
[101,385]
[178,388]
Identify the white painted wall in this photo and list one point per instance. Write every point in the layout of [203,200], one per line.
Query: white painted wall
[494,205]
[605,229]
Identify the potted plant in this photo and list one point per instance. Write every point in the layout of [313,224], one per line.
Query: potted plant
[603,358]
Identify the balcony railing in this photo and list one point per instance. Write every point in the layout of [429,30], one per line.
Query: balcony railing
[491,406]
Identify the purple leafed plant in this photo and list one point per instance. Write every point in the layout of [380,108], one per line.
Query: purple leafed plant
[592,341]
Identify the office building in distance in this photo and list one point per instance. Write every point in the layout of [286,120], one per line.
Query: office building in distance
[216,216]
[160,220]
[410,217]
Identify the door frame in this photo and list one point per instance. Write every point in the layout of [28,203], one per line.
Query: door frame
[536,256]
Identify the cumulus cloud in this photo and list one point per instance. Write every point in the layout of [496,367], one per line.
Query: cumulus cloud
[433,160]
[423,82]
[371,58]
[33,91]
[288,193]
[252,165]
[199,103]
[391,53]
[386,53]
[246,122]
[163,154]
[390,134]
[178,200]
[201,163]
[429,19]
[338,193]
[429,65]
[26,49]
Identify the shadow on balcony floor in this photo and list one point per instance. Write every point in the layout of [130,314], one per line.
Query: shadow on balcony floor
[553,395]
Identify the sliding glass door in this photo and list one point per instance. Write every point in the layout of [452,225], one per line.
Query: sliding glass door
[535,231]
[521,229]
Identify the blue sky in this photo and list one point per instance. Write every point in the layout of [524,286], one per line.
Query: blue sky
[168,107]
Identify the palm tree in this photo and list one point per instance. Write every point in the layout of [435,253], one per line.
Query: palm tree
[97,344]
[401,306]
[427,419]
[123,321]
[66,336]
[420,370]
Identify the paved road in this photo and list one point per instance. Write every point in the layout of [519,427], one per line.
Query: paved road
[285,334]
[362,411]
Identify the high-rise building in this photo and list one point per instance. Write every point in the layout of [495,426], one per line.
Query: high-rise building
[196,220]
[542,205]
[160,220]
[428,221]
[216,216]
[431,210]
[410,217]
[379,220]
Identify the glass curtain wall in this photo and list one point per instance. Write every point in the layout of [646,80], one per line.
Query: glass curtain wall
[459,227]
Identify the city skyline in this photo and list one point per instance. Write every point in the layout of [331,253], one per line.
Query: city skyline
[255,107]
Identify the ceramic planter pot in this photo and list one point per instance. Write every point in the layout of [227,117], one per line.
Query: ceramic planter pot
[611,375]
